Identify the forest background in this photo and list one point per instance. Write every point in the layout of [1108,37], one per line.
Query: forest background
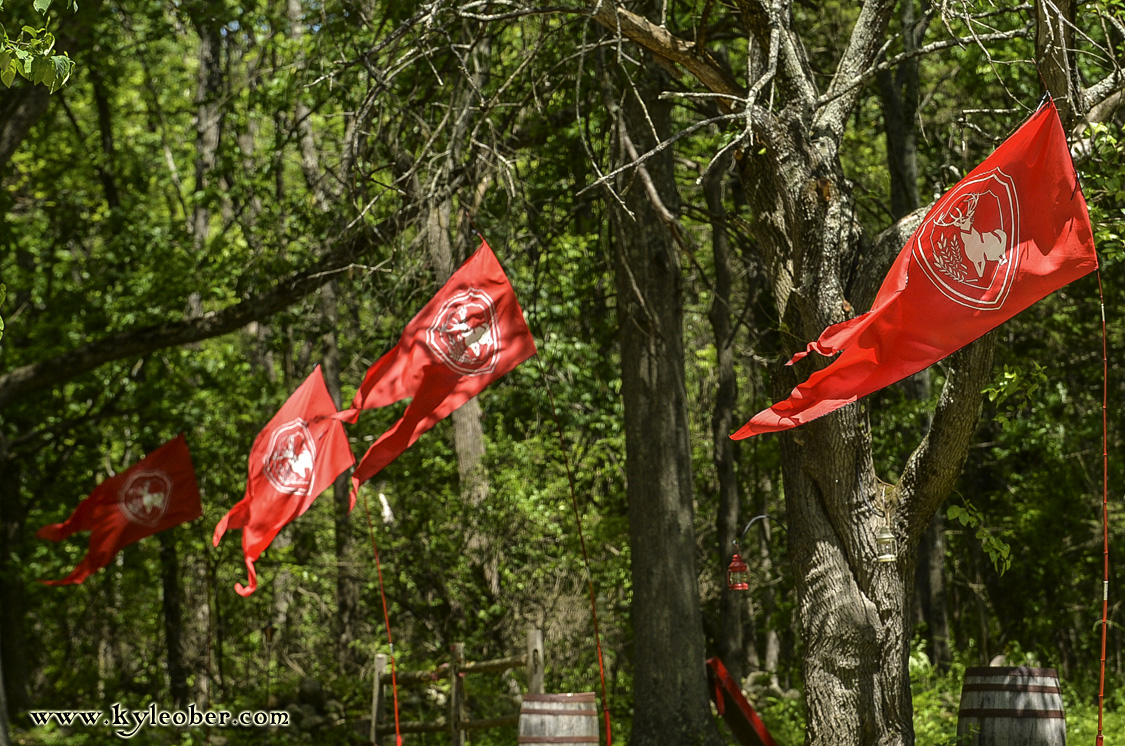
[224,194]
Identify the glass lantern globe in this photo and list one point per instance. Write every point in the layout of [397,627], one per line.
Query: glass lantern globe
[738,574]
[886,548]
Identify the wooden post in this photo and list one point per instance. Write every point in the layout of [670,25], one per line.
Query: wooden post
[535,661]
[377,694]
[456,694]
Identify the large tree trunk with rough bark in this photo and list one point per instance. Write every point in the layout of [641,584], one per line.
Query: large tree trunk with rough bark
[853,611]
[670,698]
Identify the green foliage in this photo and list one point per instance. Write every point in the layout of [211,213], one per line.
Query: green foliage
[784,717]
[79,262]
[30,54]
[997,549]
[1016,389]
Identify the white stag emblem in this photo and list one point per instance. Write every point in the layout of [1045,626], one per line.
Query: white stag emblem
[465,334]
[969,246]
[979,247]
[144,497]
[290,463]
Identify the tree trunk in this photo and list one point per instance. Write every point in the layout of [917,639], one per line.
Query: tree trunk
[468,433]
[930,593]
[347,576]
[13,600]
[670,690]
[173,619]
[899,92]
[208,123]
[4,739]
[730,641]
[1054,56]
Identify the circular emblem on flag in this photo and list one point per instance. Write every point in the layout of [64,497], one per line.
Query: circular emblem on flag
[289,461]
[464,333]
[144,497]
[967,245]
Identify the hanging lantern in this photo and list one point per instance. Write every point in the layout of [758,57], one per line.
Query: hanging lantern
[738,574]
[886,548]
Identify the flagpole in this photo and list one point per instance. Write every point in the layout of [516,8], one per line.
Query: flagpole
[386,622]
[1105,509]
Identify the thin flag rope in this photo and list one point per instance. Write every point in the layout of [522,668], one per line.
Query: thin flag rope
[1105,508]
[582,542]
[386,619]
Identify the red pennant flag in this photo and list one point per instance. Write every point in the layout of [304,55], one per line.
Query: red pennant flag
[468,335]
[1006,236]
[156,493]
[294,458]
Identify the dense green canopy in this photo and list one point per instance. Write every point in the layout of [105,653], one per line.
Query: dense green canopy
[225,194]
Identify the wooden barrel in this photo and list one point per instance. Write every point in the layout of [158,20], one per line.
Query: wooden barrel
[1011,707]
[559,718]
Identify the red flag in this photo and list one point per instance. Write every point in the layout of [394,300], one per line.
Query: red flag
[156,493]
[468,335]
[294,458]
[1007,235]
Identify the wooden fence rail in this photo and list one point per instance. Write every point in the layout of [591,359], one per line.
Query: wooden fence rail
[456,723]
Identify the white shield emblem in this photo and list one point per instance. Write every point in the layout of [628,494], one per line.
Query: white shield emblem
[144,497]
[464,333]
[289,462]
[967,247]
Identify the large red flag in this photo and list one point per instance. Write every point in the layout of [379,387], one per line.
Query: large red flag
[1007,235]
[468,335]
[156,493]
[294,458]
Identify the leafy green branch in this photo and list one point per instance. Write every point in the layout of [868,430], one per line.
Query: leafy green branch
[992,542]
[31,53]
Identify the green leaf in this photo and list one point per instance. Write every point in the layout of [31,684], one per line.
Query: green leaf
[43,72]
[8,74]
[42,5]
[62,66]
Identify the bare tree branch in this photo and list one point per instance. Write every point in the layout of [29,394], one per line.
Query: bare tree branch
[129,342]
[863,49]
[933,468]
[659,41]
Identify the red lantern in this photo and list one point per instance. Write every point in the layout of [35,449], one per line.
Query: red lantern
[738,574]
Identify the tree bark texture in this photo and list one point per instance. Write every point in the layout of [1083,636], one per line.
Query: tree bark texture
[930,593]
[173,619]
[347,575]
[899,92]
[731,603]
[468,431]
[854,612]
[13,602]
[5,740]
[670,698]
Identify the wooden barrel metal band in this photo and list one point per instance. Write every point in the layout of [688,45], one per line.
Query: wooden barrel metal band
[579,713]
[578,697]
[1038,688]
[1044,714]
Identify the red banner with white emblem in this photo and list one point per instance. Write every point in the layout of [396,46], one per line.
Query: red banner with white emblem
[294,458]
[468,335]
[156,493]
[1007,235]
